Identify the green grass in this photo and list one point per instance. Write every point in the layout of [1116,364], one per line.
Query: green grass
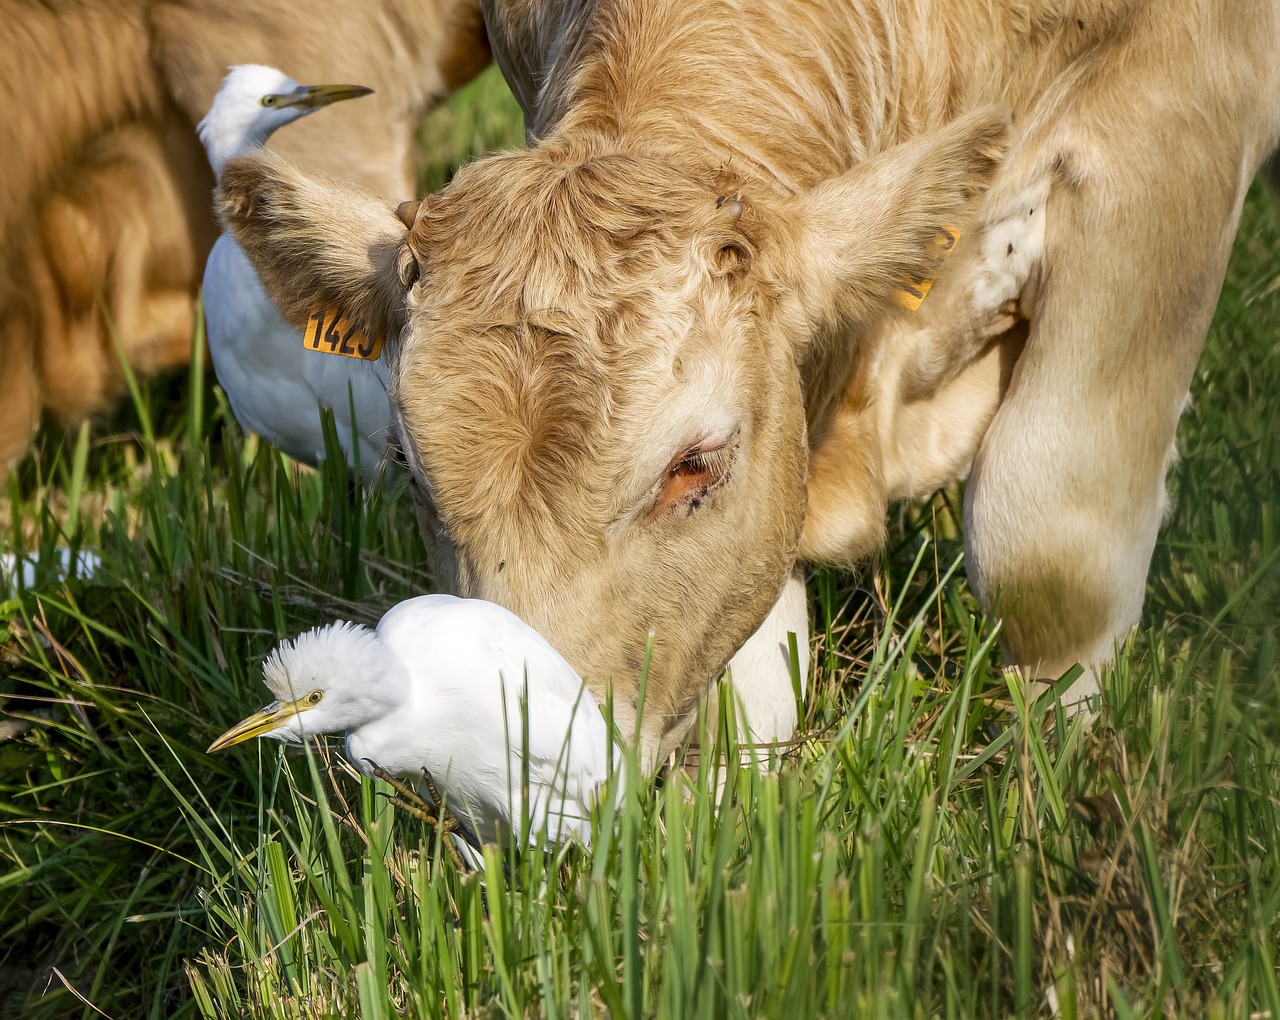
[929,851]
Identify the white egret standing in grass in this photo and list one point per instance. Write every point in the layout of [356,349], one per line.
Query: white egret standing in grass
[462,690]
[273,384]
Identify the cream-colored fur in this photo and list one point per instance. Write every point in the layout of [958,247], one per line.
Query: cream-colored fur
[606,469]
[104,196]
[645,366]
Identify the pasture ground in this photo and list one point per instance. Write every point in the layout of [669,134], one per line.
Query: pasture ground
[935,848]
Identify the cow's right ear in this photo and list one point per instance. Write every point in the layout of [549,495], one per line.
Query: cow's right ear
[848,245]
[317,243]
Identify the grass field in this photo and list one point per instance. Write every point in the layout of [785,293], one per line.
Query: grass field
[936,848]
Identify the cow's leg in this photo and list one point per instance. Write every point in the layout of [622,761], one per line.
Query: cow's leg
[19,387]
[759,675]
[1067,491]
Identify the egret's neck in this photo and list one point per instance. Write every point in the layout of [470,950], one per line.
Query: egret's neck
[224,141]
[379,682]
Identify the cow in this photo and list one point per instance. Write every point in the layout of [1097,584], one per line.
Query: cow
[105,218]
[648,368]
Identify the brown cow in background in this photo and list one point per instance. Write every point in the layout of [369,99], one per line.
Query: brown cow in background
[105,190]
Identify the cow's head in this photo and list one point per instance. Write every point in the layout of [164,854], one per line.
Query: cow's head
[597,371]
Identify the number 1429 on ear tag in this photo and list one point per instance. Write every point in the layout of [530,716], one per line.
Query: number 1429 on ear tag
[913,292]
[330,332]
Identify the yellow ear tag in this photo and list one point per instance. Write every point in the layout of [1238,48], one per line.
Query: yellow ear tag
[330,332]
[913,291]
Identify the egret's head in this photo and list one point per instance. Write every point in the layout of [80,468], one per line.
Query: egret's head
[328,680]
[254,101]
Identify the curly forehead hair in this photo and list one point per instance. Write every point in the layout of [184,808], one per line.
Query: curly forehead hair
[532,230]
[529,410]
[553,263]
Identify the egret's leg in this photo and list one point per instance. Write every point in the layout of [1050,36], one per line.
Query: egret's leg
[438,816]
[449,822]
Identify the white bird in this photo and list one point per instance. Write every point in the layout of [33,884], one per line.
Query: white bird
[19,570]
[273,384]
[463,689]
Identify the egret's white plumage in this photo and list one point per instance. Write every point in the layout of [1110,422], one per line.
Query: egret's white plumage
[26,570]
[462,688]
[272,382]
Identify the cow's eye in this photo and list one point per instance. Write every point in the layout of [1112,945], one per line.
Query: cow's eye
[693,476]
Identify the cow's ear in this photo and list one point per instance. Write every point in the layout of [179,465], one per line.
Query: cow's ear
[318,244]
[849,245]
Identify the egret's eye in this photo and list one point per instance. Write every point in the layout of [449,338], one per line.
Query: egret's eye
[695,475]
[314,697]
[268,100]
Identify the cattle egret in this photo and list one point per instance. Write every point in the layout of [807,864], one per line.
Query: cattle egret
[272,382]
[458,691]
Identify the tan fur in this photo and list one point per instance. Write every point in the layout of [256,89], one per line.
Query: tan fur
[703,242]
[539,427]
[104,199]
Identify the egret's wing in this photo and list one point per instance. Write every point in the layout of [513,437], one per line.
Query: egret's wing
[488,673]
[555,723]
[454,722]
[561,711]
[499,650]
[346,383]
[273,383]
[257,356]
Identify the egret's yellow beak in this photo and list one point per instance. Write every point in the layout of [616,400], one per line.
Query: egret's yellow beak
[312,97]
[259,723]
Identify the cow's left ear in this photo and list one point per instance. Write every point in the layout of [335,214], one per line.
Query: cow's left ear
[319,244]
[845,247]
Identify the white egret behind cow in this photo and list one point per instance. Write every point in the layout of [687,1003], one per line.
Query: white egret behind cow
[458,689]
[273,383]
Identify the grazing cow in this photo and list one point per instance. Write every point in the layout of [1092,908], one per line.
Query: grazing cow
[104,195]
[647,366]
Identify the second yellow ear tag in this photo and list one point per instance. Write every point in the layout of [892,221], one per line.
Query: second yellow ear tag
[913,291]
[330,332]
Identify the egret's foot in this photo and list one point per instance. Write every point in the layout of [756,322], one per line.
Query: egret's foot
[437,815]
